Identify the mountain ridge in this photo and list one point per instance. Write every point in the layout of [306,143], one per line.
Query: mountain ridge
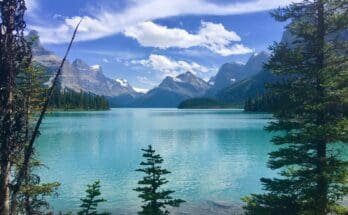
[78,75]
[172,91]
[231,77]
[233,72]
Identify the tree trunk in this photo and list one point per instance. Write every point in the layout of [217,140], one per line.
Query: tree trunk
[7,138]
[322,181]
[4,188]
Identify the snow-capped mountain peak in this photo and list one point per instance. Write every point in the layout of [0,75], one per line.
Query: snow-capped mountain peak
[96,68]
[79,76]
[122,82]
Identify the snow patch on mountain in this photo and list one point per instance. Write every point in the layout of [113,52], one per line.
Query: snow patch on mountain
[122,82]
[96,68]
[79,76]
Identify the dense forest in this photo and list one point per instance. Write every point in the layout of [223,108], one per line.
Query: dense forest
[71,100]
[262,103]
[202,103]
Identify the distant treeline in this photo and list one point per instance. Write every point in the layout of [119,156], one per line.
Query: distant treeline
[262,103]
[71,100]
[202,103]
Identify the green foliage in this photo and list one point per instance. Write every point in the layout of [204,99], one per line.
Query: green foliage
[312,117]
[263,103]
[91,201]
[30,84]
[29,197]
[155,200]
[33,193]
[69,99]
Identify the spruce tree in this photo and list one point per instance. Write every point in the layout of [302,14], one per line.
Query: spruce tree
[91,201]
[155,200]
[312,121]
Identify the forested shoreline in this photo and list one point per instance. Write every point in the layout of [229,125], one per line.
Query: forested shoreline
[70,100]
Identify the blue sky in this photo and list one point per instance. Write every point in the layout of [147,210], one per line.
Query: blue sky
[145,40]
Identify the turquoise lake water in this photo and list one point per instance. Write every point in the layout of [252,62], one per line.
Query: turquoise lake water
[214,155]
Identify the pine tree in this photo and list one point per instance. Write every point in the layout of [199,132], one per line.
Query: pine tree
[68,99]
[32,196]
[155,200]
[91,201]
[312,119]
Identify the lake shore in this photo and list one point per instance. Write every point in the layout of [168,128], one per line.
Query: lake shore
[206,207]
[210,207]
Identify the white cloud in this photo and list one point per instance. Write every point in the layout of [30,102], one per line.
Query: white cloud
[170,67]
[140,90]
[105,60]
[122,82]
[96,68]
[236,49]
[146,81]
[105,23]
[152,35]
[211,35]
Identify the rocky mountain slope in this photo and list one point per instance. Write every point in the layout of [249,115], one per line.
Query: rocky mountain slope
[79,76]
[251,87]
[172,91]
[231,73]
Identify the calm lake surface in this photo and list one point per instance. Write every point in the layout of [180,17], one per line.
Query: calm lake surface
[214,155]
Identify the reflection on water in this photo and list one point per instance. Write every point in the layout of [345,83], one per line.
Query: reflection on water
[214,155]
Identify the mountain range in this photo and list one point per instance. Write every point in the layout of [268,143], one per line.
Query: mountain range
[172,91]
[234,82]
[233,73]
[78,75]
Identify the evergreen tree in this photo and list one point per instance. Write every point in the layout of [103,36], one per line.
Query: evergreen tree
[312,120]
[263,103]
[91,201]
[32,195]
[70,100]
[29,196]
[155,200]
[15,55]
[17,130]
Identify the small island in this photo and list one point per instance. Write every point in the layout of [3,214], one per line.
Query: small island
[204,103]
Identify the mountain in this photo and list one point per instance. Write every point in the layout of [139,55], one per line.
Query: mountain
[79,76]
[227,75]
[231,73]
[172,91]
[255,64]
[92,79]
[251,87]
